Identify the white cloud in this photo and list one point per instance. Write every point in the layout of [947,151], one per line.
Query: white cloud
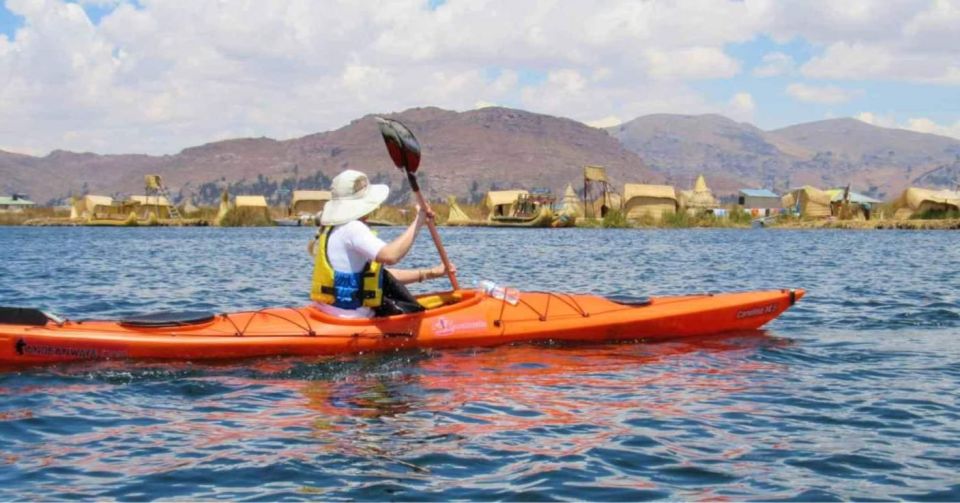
[919,124]
[924,125]
[829,95]
[828,21]
[160,75]
[877,120]
[605,122]
[741,106]
[849,61]
[904,40]
[935,28]
[775,64]
[844,60]
[690,63]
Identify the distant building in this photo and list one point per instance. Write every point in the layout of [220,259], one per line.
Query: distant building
[189,208]
[15,203]
[457,216]
[699,199]
[916,201]
[503,203]
[836,195]
[147,205]
[854,205]
[654,201]
[808,202]
[570,205]
[759,202]
[308,201]
[250,202]
[91,206]
[160,201]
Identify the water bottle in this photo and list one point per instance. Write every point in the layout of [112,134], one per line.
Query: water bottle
[509,295]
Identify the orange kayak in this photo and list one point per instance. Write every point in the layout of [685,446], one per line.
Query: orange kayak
[458,319]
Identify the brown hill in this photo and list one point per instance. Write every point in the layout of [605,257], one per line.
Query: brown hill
[466,153]
[836,152]
[888,160]
[463,153]
[731,154]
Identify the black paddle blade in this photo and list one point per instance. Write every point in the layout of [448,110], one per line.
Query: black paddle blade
[403,147]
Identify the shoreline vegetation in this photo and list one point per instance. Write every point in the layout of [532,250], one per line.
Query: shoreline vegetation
[393,215]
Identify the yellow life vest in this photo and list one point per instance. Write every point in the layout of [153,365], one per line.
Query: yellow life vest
[346,290]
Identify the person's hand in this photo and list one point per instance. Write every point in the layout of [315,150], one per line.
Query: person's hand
[423,214]
[440,270]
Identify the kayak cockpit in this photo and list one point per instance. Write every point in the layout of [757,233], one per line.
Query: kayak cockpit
[629,300]
[164,320]
[437,300]
[23,316]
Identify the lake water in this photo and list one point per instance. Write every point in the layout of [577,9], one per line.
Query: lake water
[851,394]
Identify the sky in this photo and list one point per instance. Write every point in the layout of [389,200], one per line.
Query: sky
[158,76]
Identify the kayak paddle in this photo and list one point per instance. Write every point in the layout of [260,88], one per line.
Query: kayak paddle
[404,149]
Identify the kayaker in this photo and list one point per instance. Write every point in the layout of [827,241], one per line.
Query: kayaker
[348,278]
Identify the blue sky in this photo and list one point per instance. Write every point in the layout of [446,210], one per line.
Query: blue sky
[9,21]
[899,100]
[111,75]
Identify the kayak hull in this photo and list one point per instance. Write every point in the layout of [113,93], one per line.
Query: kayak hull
[471,320]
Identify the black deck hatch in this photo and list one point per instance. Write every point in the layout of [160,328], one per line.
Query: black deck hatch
[170,319]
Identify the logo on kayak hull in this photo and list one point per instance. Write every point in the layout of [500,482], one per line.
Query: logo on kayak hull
[757,311]
[25,349]
[444,326]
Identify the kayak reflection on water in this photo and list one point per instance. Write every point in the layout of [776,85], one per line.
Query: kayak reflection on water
[400,409]
[449,397]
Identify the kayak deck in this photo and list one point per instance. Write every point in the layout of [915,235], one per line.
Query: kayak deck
[464,319]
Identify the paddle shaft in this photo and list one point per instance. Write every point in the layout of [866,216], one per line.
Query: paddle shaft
[433,230]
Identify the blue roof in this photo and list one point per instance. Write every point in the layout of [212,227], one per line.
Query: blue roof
[19,201]
[856,198]
[757,193]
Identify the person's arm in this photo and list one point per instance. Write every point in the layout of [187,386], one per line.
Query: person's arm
[407,276]
[310,246]
[399,247]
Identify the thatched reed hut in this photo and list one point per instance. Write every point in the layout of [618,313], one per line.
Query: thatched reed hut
[250,202]
[698,200]
[571,205]
[915,201]
[308,202]
[457,216]
[93,207]
[245,211]
[808,202]
[151,205]
[849,205]
[503,202]
[654,201]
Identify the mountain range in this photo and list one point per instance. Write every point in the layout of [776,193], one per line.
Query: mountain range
[877,161]
[468,153]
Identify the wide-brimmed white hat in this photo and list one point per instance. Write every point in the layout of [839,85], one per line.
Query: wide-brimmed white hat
[352,197]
